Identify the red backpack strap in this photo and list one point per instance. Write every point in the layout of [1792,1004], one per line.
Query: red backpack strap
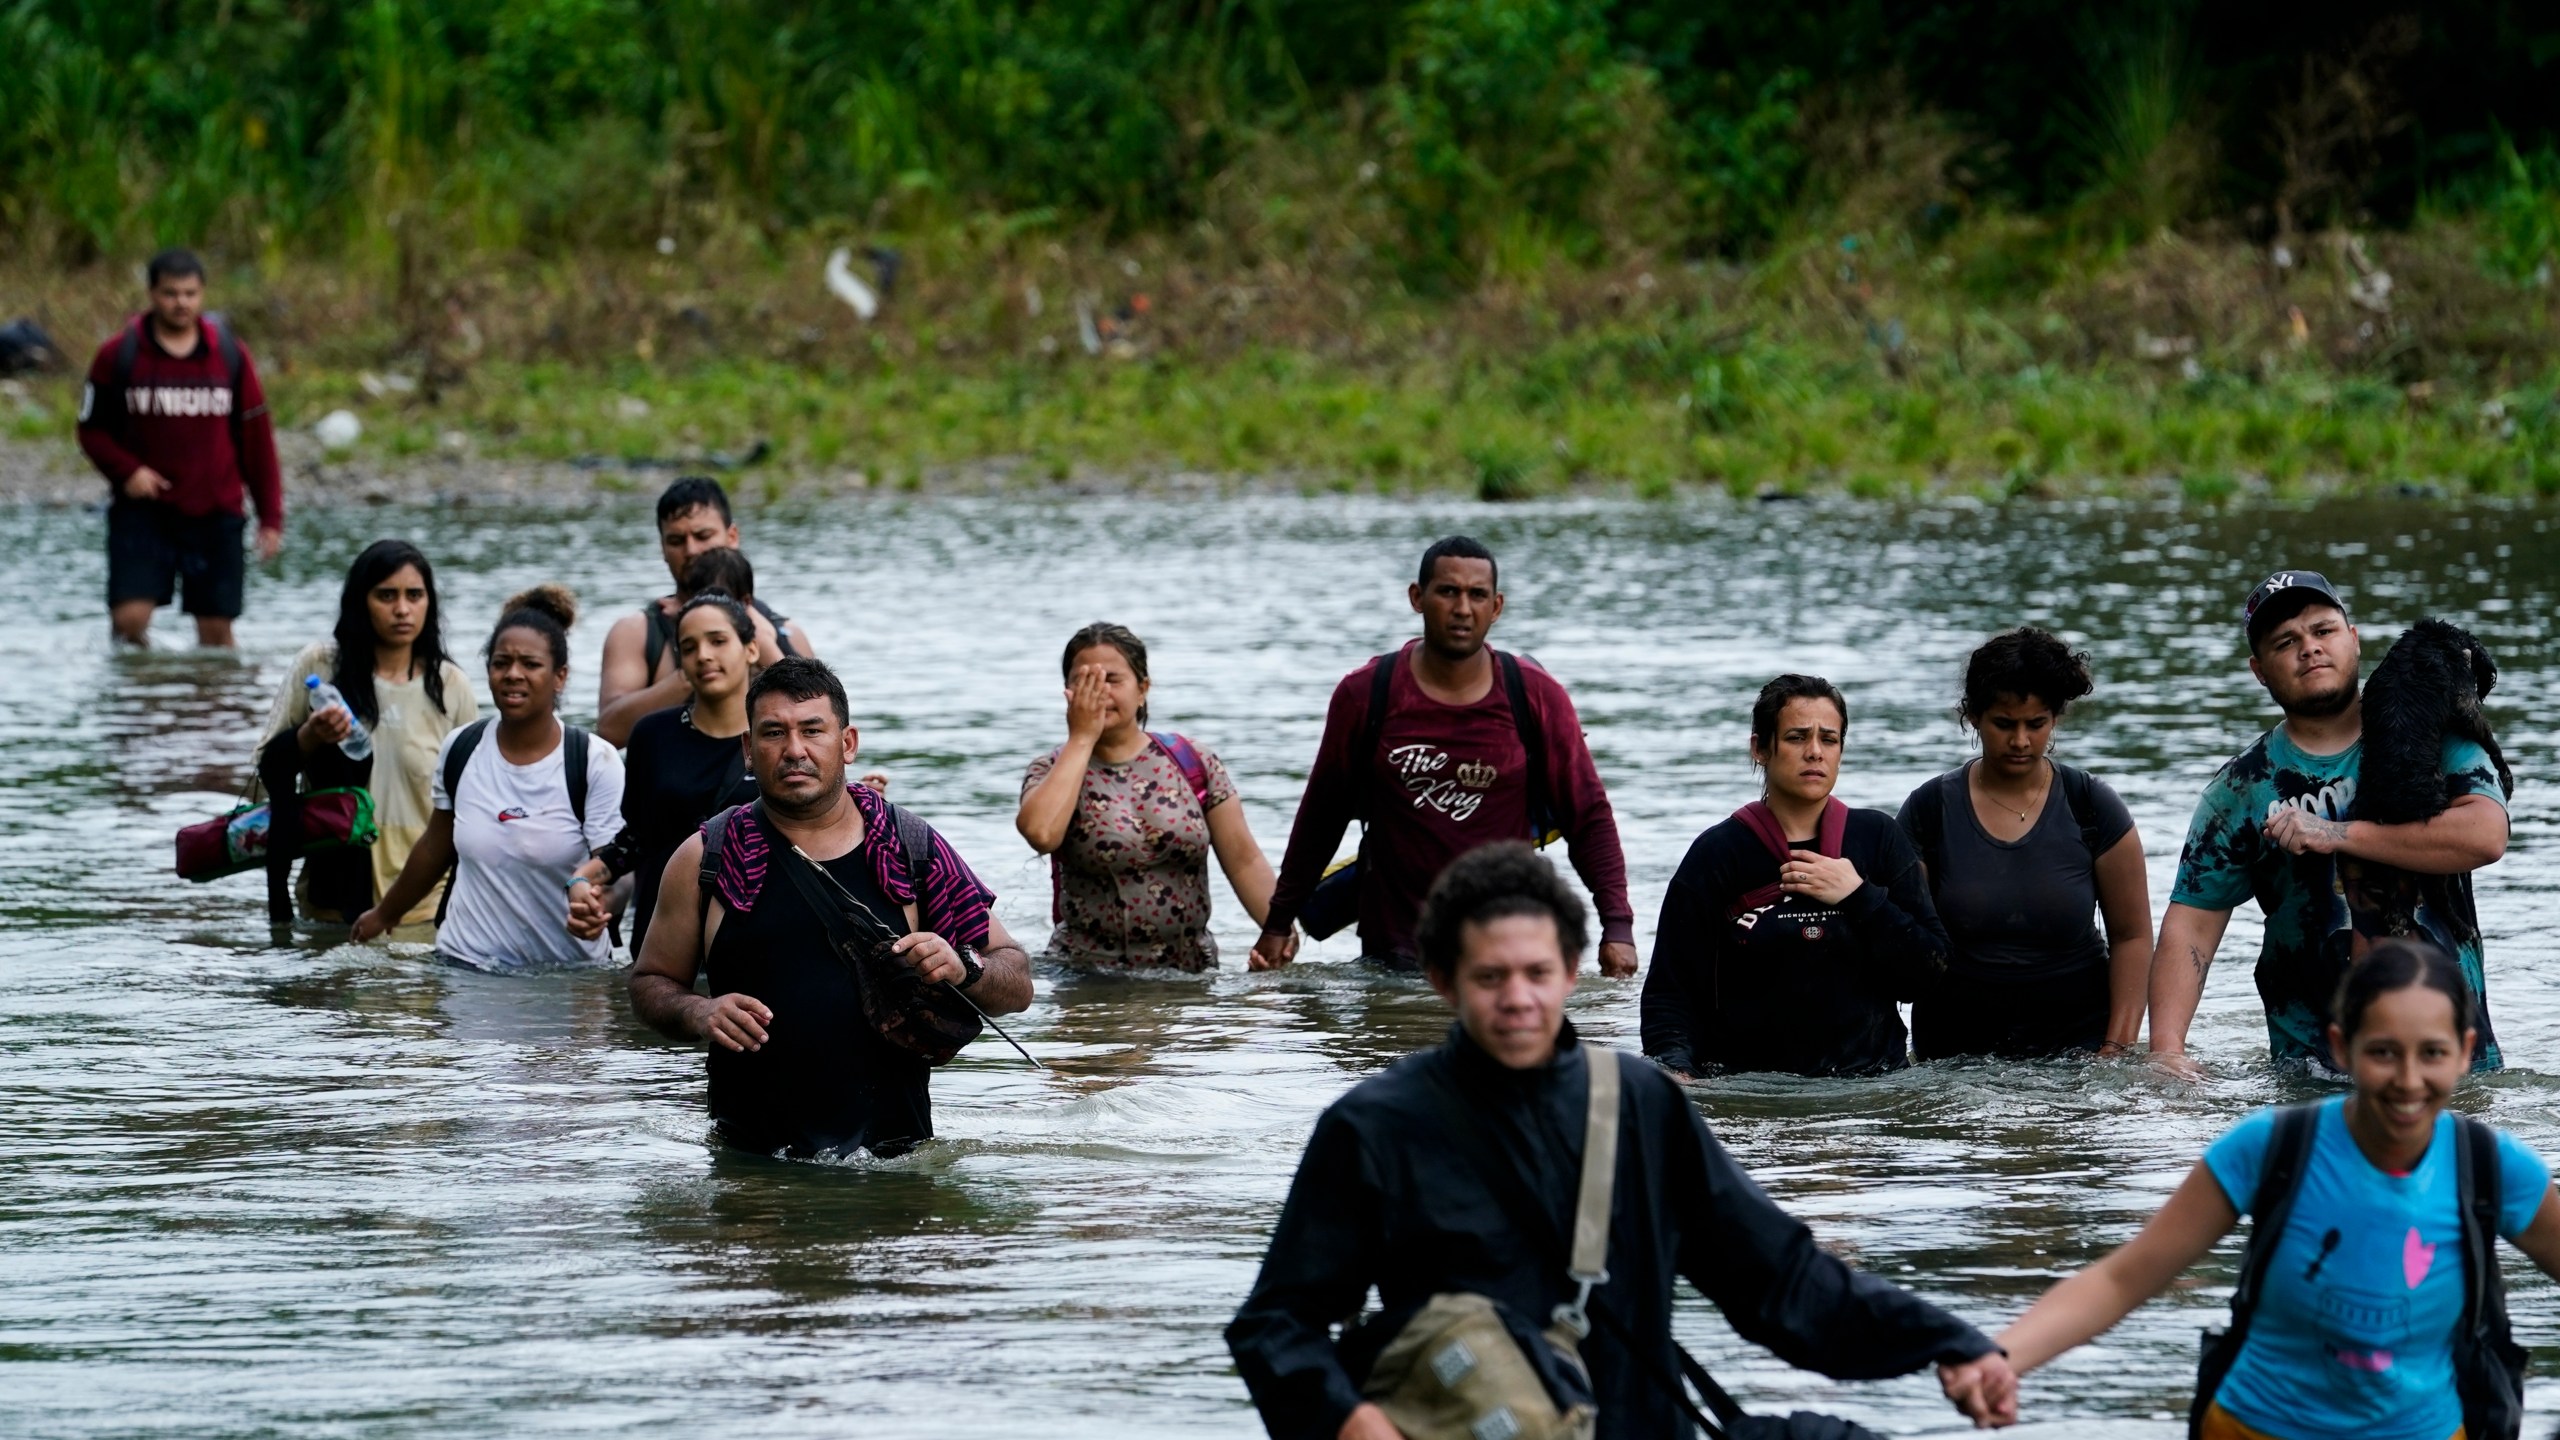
[1833,832]
[1187,759]
[1762,822]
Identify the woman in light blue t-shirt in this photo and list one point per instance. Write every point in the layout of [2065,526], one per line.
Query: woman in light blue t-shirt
[2353,1335]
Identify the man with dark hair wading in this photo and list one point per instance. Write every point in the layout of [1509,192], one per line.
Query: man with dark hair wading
[174,417]
[639,673]
[2276,822]
[797,1066]
[1455,1178]
[1438,748]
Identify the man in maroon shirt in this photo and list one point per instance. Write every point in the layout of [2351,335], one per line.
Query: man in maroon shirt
[174,417]
[1447,769]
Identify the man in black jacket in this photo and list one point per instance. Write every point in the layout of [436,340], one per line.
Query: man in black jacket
[1389,1196]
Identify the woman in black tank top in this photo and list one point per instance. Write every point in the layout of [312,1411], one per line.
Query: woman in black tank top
[2022,854]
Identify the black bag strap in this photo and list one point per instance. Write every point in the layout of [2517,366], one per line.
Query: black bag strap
[1373,727]
[915,837]
[457,758]
[659,634]
[2080,793]
[225,345]
[1533,740]
[574,740]
[715,840]
[2288,1155]
[1927,808]
[1532,1219]
[2484,1293]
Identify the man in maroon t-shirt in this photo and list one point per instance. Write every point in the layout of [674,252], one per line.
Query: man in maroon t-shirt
[174,417]
[1450,771]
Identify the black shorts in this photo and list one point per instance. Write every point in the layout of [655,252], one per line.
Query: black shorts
[151,548]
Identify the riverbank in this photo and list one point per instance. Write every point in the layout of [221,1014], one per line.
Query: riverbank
[1873,362]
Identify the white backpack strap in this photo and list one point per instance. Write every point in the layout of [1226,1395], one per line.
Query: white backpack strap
[1589,1264]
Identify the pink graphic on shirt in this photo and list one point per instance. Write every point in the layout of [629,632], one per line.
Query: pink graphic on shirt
[2376,1361]
[2416,1256]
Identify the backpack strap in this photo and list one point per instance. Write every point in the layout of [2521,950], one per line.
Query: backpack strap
[573,741]
[1187,759]
[1533,741]
[457,758]
[915,837]
[715,841]
[1373,726]
[2484,1329]
[1927,827]
[657,636]
[2080,792]
[2288,1155]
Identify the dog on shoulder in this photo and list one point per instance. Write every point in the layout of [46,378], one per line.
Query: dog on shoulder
[2429,686]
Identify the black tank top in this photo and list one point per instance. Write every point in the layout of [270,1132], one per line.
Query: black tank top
[825,1082]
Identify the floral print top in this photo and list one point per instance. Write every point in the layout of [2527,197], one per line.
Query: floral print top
[1132,878]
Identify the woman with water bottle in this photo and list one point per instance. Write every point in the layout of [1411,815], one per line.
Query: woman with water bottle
[368,707]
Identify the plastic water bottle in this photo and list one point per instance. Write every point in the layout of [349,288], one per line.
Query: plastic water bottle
[358,743]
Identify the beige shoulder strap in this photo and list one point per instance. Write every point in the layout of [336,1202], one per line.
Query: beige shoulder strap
[1589,1263]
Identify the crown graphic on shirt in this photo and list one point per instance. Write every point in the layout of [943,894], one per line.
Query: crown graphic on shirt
[1477,775]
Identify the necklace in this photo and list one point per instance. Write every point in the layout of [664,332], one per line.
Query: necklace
[2012,809]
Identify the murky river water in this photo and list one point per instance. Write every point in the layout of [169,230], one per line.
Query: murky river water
[327,1189]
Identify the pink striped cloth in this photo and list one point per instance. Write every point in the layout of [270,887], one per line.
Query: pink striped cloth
[956,903]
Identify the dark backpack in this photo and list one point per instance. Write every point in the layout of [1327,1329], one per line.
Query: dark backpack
[2488,1366]
[1925,815]
[457,757]
[129,350]
[1335,901]
[915,837]
[661,633]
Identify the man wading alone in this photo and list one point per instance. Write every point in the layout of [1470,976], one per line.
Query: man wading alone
[795,1066]
[2275,820]
[639,673]
[1442,747]
[174,417]
[1397,1192]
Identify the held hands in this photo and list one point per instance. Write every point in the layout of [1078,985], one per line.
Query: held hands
[1088,705]
[1273,951]
[146,483]
[1819,878]
[1985,1388]
[933,957]
[733,1021]
[588,912]
[2301,833]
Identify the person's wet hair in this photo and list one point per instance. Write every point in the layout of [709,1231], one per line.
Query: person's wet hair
[799,678]
[1775,695]
[726,569]
[1493,883]
[546,610]
[2393,965]
[715,598]
[2028,663]
[171,264]
[376,563]
[1118,637]
[1457,547]
[691,493]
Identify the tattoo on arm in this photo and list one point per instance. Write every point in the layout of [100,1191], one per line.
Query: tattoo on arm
[2202,961]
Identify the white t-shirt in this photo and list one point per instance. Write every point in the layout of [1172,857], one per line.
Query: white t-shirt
[517,842]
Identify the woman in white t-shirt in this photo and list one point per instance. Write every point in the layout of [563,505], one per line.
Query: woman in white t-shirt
[510,824]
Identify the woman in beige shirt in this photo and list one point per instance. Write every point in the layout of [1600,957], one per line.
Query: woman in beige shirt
[387,658]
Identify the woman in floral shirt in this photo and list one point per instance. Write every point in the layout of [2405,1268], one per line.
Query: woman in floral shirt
[1128,819]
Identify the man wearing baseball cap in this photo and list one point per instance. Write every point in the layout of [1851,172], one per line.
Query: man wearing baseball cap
[2276,818]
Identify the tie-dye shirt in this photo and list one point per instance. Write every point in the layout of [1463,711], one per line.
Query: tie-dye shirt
[2354,1330]
[2313,904]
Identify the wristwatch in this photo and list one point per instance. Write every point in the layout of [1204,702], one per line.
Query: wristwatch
[969,964]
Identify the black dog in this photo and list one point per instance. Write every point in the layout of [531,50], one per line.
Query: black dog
[2429,686]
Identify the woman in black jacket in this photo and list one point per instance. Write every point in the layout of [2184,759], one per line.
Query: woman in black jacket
[1792,929]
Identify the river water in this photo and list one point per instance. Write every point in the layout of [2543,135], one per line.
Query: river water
[326,1189]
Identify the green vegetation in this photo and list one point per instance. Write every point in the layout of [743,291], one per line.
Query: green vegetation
[1502,245]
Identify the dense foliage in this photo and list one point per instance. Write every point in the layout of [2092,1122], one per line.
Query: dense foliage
[314,124]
